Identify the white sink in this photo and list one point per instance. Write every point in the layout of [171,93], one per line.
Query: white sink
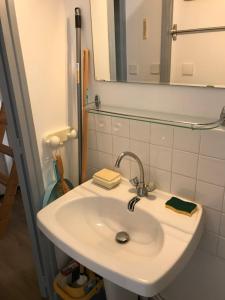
[84,224]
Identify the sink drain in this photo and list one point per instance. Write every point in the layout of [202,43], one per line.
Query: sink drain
[122,237]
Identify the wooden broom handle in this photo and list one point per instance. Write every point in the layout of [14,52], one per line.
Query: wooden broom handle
[84,113]
[60,168]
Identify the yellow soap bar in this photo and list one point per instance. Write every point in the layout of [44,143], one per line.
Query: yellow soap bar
[107,175]
[106,184]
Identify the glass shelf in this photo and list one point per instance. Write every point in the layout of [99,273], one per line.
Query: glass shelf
[194,123]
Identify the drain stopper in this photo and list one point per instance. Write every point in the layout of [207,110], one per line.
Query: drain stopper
[122,237]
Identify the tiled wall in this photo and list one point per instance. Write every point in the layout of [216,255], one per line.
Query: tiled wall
[181,161]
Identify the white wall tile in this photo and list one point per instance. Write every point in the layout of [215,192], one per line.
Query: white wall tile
[183,186]
[211,170]
[120,144]
[222,225]
[124,168]
[212,220]
[161,178]
[209,195]
[139,130]
[91,122]
[160,157]
[201,279]
[172,170]
[93,159]
[185,163]
[213,143]
[224,204]
[209,242]
[103,123]
[221,248]
[92,139]
[161,135]
[104,142]
[134,171]
[105,160]
[141,149]
[91,171]
[186,139]
[121,127]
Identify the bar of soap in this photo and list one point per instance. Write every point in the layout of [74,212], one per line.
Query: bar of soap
[106,184]
[107,178]
[107,175]
[181,206]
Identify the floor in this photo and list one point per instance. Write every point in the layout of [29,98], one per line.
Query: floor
[17,273]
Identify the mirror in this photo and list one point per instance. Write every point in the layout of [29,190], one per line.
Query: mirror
[178,42]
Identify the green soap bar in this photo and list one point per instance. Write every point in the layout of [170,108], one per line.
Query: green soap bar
[181,205]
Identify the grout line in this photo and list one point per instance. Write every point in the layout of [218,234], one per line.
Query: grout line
[162,146]
[129,129]
[111,125]
[212,157]
[200,142]
[197,170]
[160,169]
[220,224]
[217,245]
[150,132]
[171,170]
[187,152]
[141,141]
[177,173]
[211,208]
[221,186]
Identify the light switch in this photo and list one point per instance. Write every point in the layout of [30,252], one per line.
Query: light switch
[188,69]
[155,69]
[133,69]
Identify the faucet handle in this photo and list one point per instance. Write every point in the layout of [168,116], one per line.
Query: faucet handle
[134,181]
[151,186]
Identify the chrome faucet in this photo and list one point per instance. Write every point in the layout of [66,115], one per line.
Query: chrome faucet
[141,187]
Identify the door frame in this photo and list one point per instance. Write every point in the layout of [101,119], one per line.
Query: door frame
[22,138]
[120,39]
[166,41]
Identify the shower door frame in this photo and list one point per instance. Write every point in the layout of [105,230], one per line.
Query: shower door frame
[22,138]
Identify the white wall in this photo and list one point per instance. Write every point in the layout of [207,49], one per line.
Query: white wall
[101,40]
[143,53]
[43,33]
[205,51]
[199,13]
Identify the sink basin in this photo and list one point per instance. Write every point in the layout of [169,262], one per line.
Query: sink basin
[101,218]
[84,223]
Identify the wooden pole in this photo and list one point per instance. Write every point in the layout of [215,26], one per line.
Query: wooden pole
[85,114]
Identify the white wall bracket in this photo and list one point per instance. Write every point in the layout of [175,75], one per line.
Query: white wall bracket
[58,138]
